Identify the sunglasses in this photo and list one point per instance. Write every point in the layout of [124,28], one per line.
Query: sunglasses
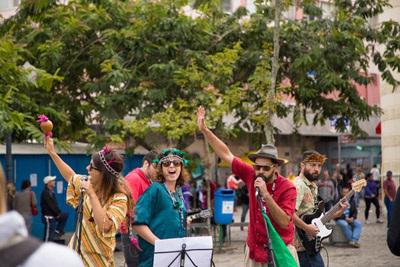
[266,168]
[91,167]
[168,163]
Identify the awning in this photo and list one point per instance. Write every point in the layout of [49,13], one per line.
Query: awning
[378,128]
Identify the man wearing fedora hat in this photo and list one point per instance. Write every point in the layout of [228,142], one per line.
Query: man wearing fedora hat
[307,197]
[53,218]
[278,194]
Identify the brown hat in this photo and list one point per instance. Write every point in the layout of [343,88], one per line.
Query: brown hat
[267,152]
[312,156]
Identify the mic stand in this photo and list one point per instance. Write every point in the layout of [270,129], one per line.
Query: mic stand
[270,251]
[78,227]
[183,255]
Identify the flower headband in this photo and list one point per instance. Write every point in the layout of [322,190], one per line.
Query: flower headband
[176,153]
[106,150]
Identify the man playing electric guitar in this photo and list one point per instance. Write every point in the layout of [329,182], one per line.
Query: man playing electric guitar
[307,191]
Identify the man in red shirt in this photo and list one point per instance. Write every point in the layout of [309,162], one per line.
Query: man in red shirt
[278,194]
[138,180]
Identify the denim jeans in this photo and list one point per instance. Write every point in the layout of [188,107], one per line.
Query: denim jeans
[352,231]
[389,205]
[307,260]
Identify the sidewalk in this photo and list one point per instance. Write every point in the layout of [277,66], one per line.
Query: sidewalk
[373,251]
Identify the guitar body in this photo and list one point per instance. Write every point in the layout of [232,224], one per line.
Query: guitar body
[313,245]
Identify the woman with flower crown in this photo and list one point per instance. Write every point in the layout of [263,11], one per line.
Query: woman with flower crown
[106,202]
[160,212]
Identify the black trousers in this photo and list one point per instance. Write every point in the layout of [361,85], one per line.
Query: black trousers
[368,202]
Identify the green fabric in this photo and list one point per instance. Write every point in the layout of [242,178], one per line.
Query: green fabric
[282,255]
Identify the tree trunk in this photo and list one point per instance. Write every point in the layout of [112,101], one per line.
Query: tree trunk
[268,127]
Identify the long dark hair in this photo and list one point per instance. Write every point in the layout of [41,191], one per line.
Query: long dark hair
[112,182]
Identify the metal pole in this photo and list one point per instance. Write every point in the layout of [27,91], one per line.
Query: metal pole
[9,165]
[339,152]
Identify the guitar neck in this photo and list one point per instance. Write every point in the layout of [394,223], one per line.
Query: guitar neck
[329,215]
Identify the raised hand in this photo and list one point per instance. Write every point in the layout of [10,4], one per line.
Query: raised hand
[49,145]
[201,115]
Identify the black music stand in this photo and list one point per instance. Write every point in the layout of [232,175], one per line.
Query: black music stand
[182,257]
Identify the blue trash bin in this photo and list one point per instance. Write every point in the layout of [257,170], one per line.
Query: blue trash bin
[223,206]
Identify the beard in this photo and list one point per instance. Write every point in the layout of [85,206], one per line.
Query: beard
[311,177]
[266,178]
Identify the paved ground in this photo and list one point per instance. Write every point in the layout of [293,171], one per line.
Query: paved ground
[373,251]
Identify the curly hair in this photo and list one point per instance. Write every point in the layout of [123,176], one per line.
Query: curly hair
[183,178]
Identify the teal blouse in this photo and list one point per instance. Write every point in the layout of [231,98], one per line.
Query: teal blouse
[164,213]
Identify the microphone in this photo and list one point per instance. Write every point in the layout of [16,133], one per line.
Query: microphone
[257,192]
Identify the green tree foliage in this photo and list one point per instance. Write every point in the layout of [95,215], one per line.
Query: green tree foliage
[130,68]
[21,85]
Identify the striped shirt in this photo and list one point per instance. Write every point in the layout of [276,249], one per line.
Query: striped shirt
[97,246]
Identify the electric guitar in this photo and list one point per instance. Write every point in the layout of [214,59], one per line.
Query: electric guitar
[319,219]
[201,214]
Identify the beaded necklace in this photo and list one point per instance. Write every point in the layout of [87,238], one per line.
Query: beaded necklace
[177,203]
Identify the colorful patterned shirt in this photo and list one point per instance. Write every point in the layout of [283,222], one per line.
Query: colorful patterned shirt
[97,246]
[306,200]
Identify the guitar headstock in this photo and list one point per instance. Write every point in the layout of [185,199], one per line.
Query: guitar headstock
[205,214]
[357,186]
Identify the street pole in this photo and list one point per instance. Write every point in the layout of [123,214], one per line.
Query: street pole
[339,152]
[9,165]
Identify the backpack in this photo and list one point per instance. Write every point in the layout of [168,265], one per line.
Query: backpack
[17,254]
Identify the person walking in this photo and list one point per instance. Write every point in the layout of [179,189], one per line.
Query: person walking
[389,188]
[53,218]
[371,196]
[25,204]
[106,201]
[244,197]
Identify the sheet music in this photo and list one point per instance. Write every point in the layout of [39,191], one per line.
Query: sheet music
[199,249]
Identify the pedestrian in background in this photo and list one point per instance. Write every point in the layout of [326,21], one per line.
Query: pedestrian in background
[348,222]
[53,218]
[326,190]
[389,188]
[371,196]
[25,203]
[11,191]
